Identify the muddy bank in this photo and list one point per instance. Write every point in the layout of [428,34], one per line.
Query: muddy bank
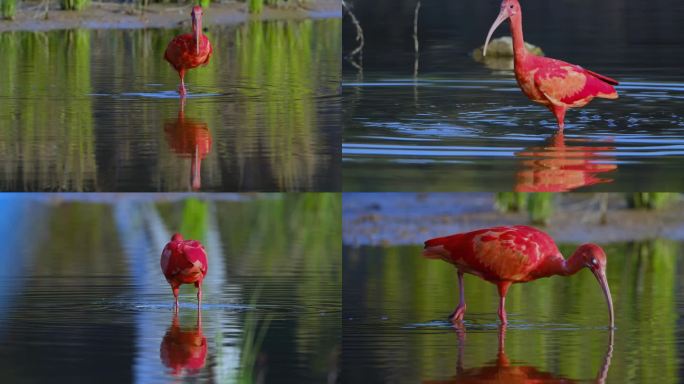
[408,218]
[125,16]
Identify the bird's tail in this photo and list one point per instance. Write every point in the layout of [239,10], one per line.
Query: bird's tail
[435,248]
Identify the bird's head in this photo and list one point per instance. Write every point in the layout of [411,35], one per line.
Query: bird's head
[177,237]
[593,257]
[196,13]
[509,9]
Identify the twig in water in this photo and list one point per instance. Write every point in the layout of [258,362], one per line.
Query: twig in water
[358,51]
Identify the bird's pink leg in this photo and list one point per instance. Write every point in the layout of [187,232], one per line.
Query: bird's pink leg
[459,312]
[559,112]
[199,294]
[181,89]
[503,288]
[175,295]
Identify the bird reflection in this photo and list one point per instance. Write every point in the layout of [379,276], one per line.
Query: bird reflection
[189,138]
[502,371]
[558,167]
[184,350]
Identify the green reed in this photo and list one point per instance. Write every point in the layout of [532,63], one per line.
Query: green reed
[74,5]
[650,200]
[8,8]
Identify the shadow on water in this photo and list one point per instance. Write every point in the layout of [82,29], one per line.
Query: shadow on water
[502,370]
[184,349]
[81,109]
[189,138]
[561,167]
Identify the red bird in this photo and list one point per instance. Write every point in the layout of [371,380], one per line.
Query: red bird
[513,254]
[184,262]
[554,83]
[189,50]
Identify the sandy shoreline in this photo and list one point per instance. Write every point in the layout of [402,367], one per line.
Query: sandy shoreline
[125,16]
[412,218]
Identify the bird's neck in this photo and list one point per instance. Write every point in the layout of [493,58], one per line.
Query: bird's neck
[519,50]
[560,266]
[572,265]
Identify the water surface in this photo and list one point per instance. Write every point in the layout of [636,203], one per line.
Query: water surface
[85,299]
[97,110]
[395,328]
[456,124]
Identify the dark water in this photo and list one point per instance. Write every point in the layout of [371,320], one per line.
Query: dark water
[395,305]
[84,110]
[83,297]
[460,125]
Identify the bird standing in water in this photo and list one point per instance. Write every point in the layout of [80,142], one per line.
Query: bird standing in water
[513,254]
[189,50]
[184,262]
[556,84]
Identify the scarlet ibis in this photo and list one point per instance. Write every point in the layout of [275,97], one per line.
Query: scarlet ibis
[189,50]
[556,84]
[513,254]
[557,167]
[189,138]
[184,349]
[184,262]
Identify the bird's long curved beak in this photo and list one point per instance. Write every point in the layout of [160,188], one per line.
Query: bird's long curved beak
[603,282]
[198,34]
[503,15]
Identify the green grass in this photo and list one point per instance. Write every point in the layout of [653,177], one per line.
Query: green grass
[74,5]
[8,8]
[650,200]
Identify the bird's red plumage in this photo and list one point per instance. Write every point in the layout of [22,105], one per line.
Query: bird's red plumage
[181,52]
[184,262]
[508,253]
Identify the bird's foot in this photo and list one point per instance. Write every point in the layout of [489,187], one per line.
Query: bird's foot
[181,91]
[458,313]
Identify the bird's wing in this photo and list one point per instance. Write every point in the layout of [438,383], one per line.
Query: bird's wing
[568,85]
[498,253]
[559,81]
[194,253]
[211,50]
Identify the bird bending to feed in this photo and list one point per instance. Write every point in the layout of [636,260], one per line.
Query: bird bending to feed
[513,254]
[554,83]
[184,262]
[189,50]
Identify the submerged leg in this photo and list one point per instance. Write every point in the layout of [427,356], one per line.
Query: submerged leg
[559,112]
[459,312]
[503,288]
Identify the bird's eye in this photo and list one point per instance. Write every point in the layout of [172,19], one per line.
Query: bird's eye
[593,261]
[511,6]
